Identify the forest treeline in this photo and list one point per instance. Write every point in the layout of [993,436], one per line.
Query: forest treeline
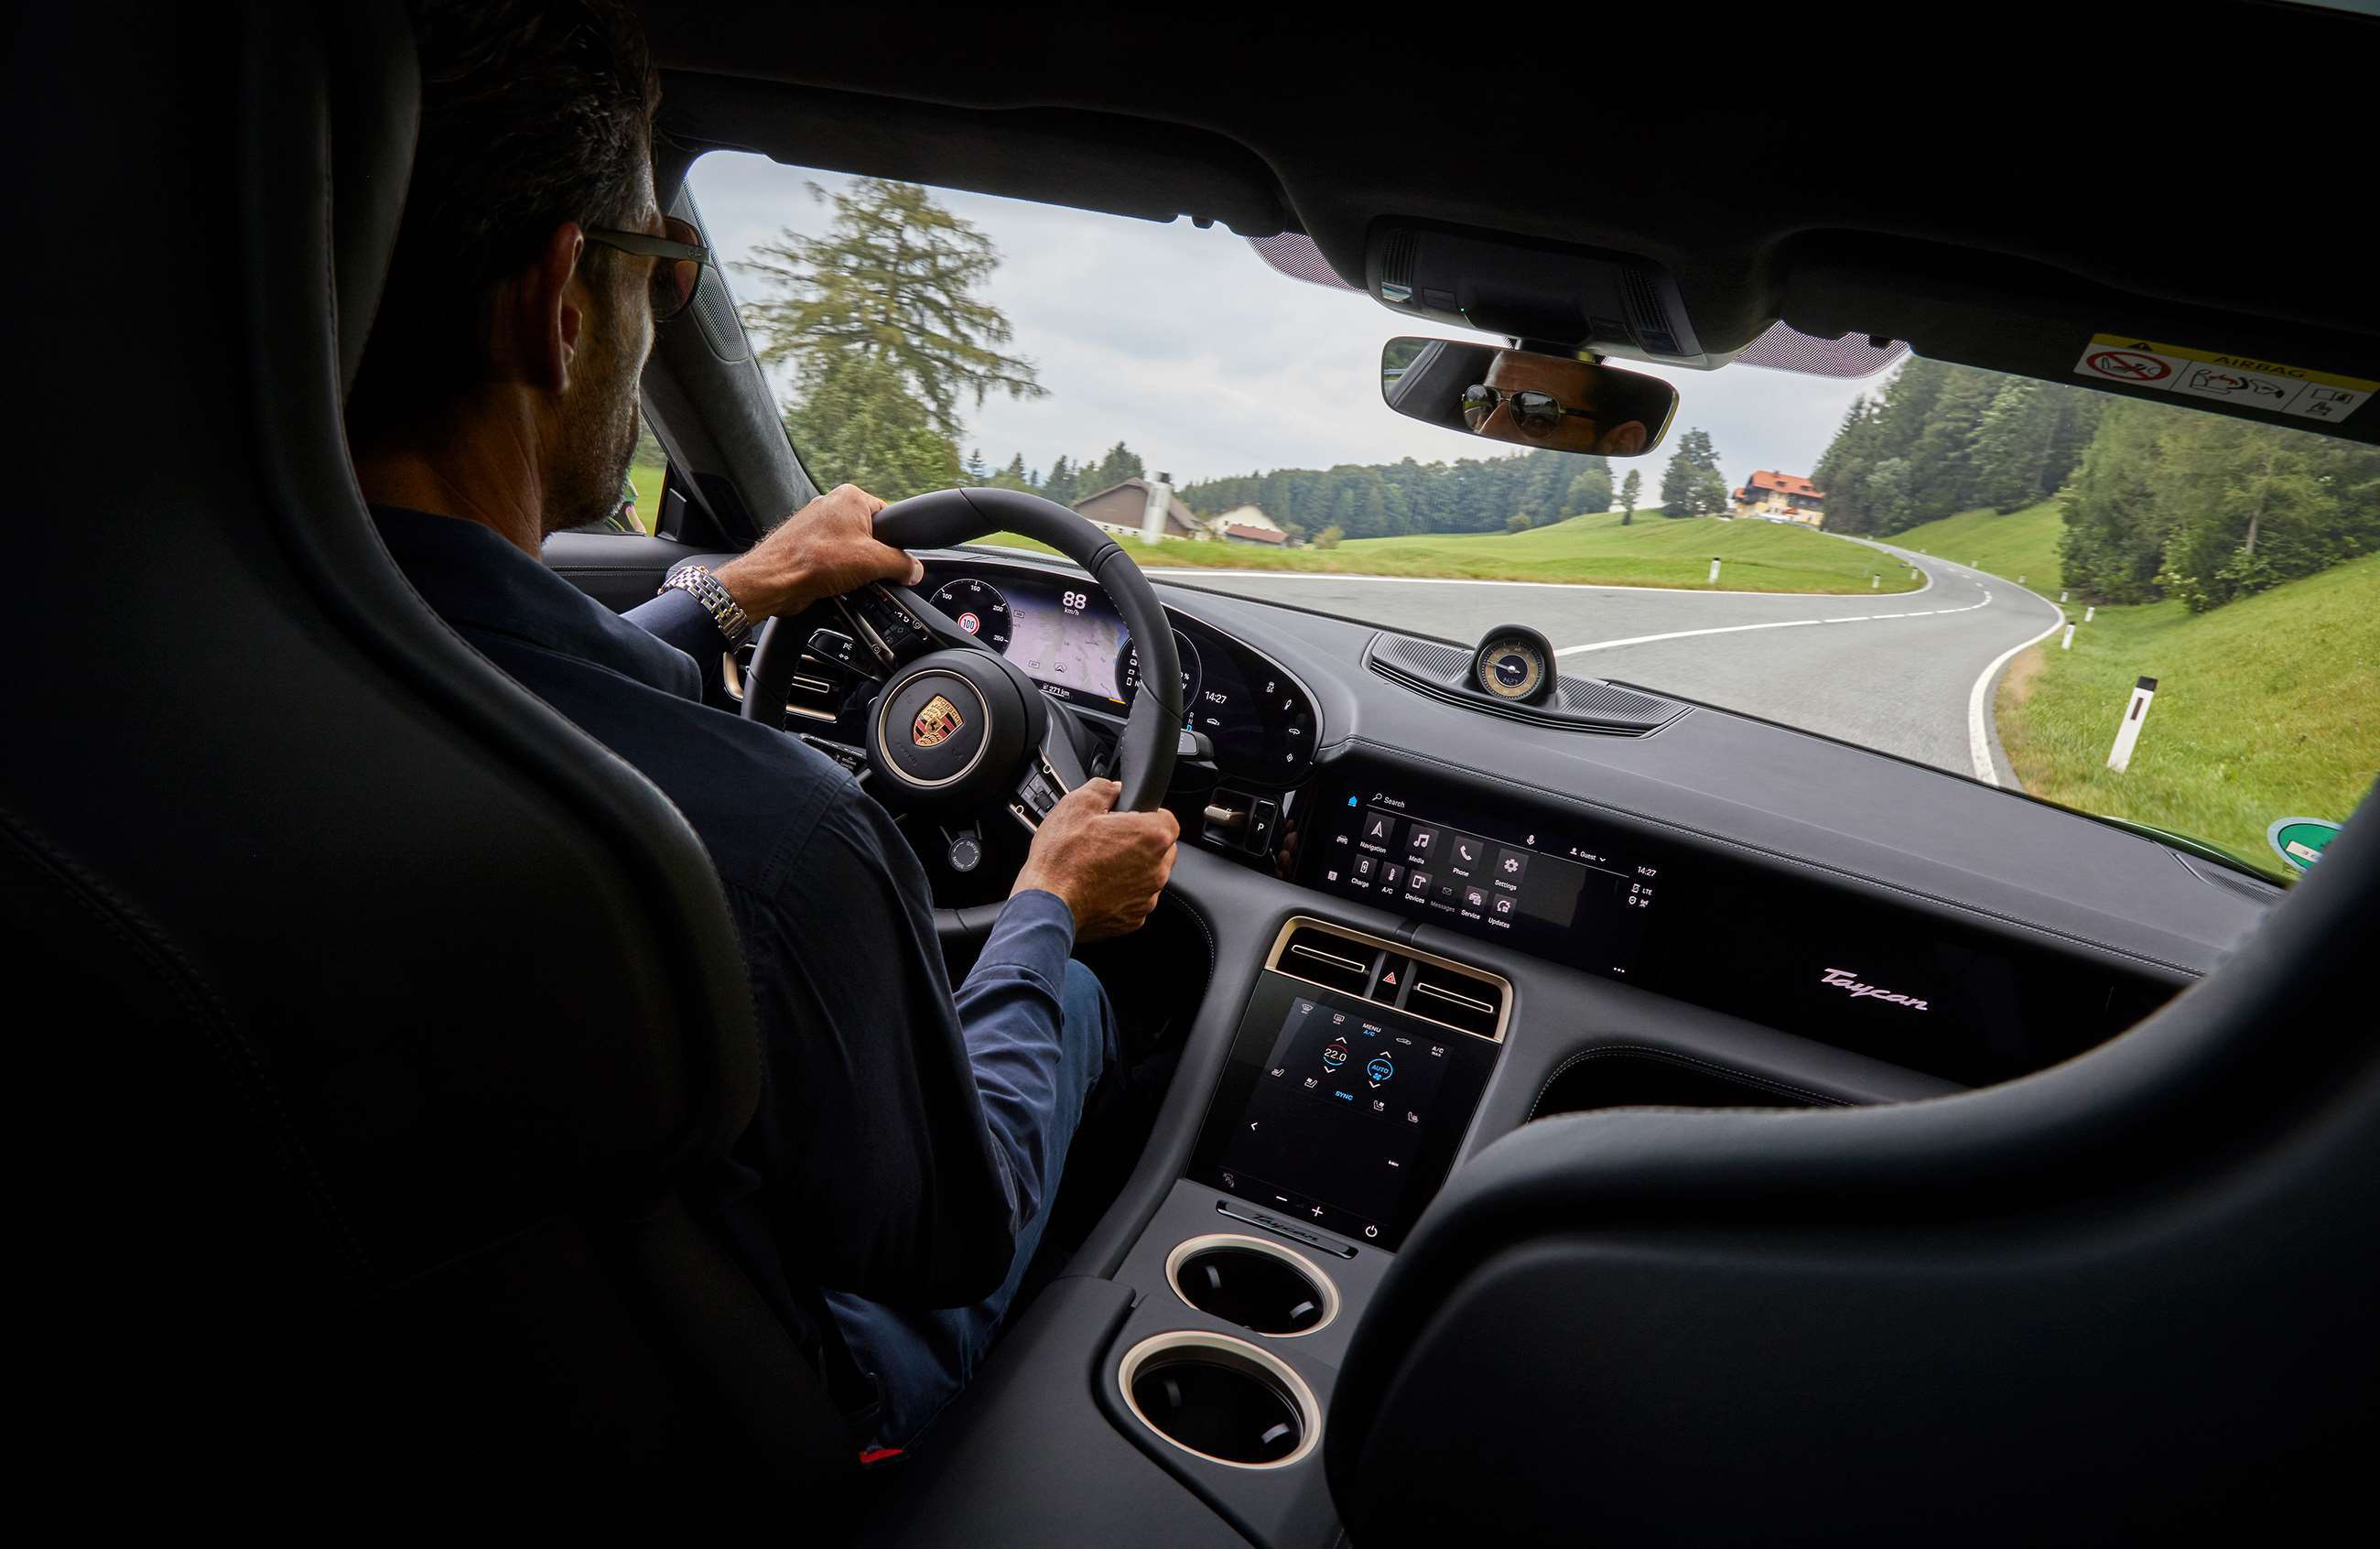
[2157,500]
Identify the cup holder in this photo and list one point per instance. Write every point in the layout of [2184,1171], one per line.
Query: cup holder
[1220,1398]
[1263,1287]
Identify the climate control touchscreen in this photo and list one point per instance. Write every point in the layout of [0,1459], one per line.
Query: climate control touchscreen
[1557,893]
[1341,1113]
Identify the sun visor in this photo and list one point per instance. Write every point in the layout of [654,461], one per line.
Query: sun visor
[2027,319]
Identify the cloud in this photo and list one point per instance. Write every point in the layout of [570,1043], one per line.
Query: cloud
[1185,344]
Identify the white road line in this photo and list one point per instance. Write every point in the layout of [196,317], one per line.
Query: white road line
[1190,572]
[1775,623]
[1979,719]
[1682,634]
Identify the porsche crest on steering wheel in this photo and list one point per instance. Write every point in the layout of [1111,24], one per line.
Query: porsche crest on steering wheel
[935,724]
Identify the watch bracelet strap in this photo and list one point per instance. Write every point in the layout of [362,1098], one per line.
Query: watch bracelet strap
[698,583]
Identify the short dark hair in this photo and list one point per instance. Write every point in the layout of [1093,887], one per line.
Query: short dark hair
[534,113]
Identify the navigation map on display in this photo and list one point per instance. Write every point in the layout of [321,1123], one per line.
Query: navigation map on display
[1069,639]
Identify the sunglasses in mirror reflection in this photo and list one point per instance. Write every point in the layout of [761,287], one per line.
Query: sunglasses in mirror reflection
[1563,403]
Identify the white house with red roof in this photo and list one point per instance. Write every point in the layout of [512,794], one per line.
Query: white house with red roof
[1789,495]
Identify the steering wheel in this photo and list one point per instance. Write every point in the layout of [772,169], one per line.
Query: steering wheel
[956,728]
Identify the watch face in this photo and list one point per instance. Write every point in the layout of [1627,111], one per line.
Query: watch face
[1511,669]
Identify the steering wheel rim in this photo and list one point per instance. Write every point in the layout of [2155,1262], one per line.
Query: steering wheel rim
[944,517]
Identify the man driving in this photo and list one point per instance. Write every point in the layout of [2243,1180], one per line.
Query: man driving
[1553,401]
[900,1169]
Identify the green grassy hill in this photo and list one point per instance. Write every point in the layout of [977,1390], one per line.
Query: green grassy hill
[2267,707]
[2019,543]
[1651,550]
[648,478]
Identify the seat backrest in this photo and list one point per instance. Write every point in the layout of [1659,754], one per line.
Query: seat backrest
[2125,1299]
[387,1012]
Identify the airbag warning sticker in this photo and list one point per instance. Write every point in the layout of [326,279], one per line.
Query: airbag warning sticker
[2239,379]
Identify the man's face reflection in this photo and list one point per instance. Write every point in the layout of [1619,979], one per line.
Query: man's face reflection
[1576,385]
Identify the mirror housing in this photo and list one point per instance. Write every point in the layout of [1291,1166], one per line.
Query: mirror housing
[1526,398]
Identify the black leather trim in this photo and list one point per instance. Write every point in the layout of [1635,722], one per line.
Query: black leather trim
[244,1067]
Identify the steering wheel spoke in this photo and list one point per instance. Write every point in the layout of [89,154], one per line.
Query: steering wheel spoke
[956,728]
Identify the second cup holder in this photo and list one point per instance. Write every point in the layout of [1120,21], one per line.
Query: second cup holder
[1222,1400]
[1261,1285]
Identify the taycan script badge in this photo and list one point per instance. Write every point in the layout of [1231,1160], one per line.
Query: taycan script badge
[1849,979]
[936,723]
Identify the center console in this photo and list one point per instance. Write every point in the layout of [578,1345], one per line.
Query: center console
[1352,1078]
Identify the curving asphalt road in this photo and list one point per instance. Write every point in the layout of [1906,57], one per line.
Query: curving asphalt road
[1910,673]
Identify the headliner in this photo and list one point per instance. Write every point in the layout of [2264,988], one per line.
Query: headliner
[1993,195]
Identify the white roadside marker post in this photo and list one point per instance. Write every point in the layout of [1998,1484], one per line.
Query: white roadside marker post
[1874,581]
[2128,734]
[2089,610]
[2061,596]
[1714,575]
[2068,643]
[2020,581]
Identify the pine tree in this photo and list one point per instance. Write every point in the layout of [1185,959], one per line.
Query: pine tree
[1629,488]
[1014,476]
[1692,485]
[862,425]
[975,471]
[1063,485]
[1121,463]
[895,279]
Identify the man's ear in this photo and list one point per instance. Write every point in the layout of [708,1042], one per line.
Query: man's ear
[1625,441]
[539,318]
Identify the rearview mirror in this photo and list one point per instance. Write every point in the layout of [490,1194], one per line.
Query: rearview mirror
[1562,403]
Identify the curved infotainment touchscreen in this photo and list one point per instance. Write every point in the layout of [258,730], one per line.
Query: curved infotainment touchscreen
[1551,890]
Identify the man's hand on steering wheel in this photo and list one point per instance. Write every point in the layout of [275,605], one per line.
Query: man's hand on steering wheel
[827,548]
[1108,867]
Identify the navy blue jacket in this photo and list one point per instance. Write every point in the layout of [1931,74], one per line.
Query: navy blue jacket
[871,1167]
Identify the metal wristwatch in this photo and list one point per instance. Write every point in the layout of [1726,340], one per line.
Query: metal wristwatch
[706,589]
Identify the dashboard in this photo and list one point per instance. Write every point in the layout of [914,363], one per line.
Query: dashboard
[1504,813]
[1066,635]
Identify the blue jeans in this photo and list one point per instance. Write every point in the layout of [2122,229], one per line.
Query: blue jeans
[921,1359]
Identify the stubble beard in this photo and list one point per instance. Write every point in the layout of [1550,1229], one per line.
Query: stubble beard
[599,442]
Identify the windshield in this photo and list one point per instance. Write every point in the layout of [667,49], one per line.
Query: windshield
[2145,613]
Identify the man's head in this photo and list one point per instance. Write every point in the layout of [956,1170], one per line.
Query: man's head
[502,324]
[1585,420]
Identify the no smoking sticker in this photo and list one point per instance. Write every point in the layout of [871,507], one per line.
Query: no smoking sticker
[2128,365]
[2236,379]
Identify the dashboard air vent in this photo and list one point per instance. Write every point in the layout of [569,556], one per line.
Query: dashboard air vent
[1439,990]
[1446,994]
[1330,959]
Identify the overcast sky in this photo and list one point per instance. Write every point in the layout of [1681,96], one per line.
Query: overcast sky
[1187,345]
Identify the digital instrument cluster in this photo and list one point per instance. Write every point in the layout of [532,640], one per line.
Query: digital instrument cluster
[1070,641]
